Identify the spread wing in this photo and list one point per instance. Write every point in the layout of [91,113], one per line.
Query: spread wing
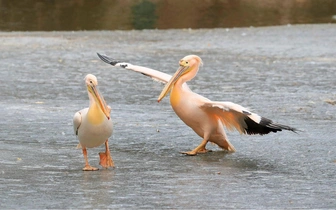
[154,74]
[234,116]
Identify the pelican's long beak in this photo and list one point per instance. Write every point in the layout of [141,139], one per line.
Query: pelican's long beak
[180,71]
[100,100]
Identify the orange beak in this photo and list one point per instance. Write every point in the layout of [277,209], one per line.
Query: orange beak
[100,100]
[180,71]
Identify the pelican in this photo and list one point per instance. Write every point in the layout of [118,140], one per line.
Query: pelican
[93,125]
[207,118]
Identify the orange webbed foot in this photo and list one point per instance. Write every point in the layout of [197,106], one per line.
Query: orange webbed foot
[90,168]
[190,153]
[203,151]
[195,152]
[105,160]
[199,149]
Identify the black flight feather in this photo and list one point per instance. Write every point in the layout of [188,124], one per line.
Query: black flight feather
[265,126]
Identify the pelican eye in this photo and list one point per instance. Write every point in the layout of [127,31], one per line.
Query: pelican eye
[91,81]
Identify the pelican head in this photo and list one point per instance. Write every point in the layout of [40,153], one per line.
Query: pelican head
[92,83]
[188,69]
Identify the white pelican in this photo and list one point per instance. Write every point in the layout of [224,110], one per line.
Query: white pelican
[93,125]
[207,118]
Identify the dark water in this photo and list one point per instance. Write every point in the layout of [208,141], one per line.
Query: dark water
[283,73]
[48,15]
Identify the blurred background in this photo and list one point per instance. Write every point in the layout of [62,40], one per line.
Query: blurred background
[65,15]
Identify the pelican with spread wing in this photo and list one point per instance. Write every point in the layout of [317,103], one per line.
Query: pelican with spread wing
[93,125]
[207,118]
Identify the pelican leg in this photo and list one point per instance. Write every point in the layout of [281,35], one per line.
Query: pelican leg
[105,157]
[87,165]
[199,149]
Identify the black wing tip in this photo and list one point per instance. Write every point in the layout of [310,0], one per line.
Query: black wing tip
[278,127]
[107,59]
[265,126]
[288,128]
